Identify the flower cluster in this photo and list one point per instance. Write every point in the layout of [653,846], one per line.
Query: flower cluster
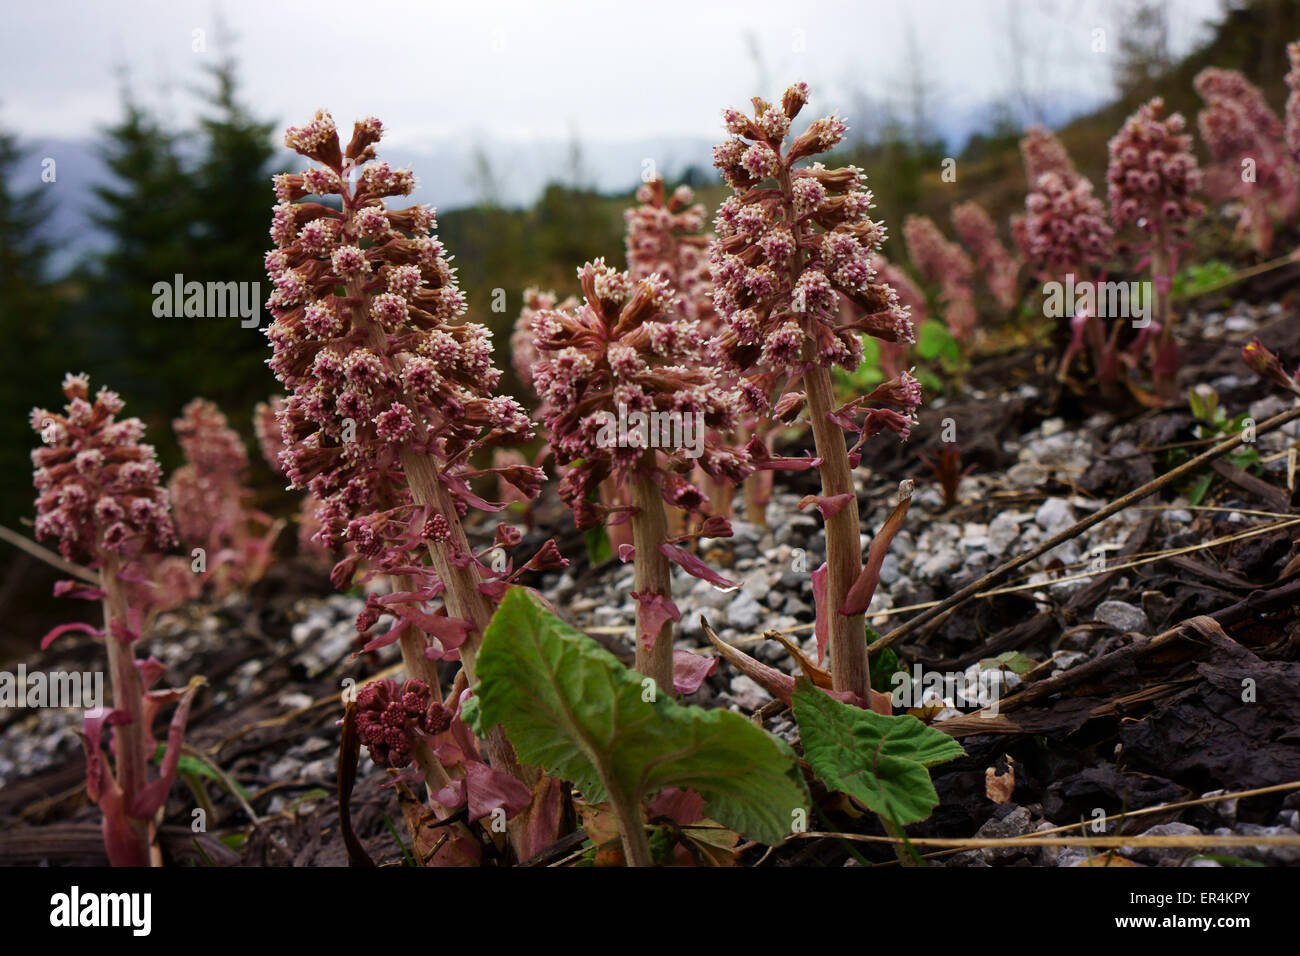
[1042,153]
[628,352]
[208,490]
[790,242]
[976,229]
[98,483]
[99,494]
[1065,228]
[523,353]
[390,717]
[1153,175]
[945,264]
[1246,138]
[665,238]
[365,339]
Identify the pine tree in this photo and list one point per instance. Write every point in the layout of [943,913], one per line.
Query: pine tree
[28,312]
[232,191]
[148,211]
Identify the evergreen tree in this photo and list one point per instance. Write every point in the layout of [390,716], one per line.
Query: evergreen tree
[233,196]
[28,310]
[148,211]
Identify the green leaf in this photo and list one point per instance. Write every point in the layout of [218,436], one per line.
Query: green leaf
[471,715]
[599,549]
[569,705]
[198,768]
[934,341]
[1199,486]
[884,664]
[879,761]
[1013,661]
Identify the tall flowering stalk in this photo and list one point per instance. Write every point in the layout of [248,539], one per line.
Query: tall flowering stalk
[390,396]
[100,497]
[945,264]
[979,233]
[1064,233]
[628,399]
[1246,138]
[666,237]
[1153,178]
[209,496]
[791,241]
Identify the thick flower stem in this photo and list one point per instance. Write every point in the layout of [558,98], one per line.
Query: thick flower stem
[848,642]
[130,759]
[636,846]
[848,639]
[652,576]
[463,598]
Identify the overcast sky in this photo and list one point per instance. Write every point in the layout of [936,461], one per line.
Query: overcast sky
[546,70]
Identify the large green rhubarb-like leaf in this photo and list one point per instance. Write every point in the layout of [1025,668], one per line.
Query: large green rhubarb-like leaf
[572,707]
[879,761]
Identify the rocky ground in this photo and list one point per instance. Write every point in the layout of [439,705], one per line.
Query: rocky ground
[1151,730]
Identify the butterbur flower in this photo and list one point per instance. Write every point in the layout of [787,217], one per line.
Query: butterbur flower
[99,486]
[390,395]
[979,233]
[1246,138]
[1065,228]
[628,399]
[390,718]
[665,237]
[945,264]
[209,498]
[99,495]
[1153,176]
[794,245]
[523,354]
[1043,153]
[1153,179]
